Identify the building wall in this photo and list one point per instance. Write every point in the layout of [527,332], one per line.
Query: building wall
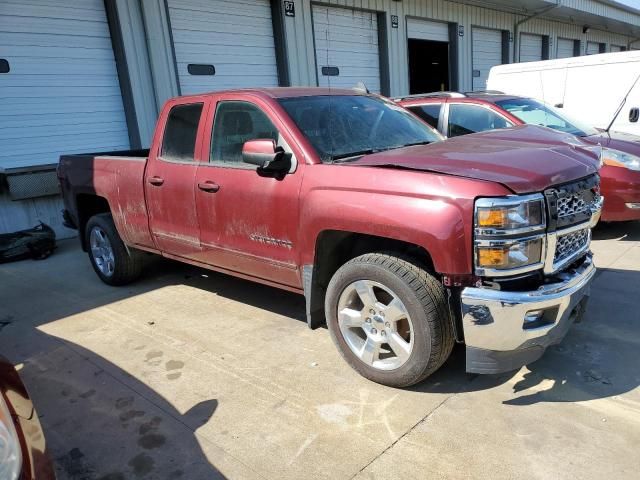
[299,35]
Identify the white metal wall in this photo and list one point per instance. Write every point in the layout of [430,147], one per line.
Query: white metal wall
[564,48]
[487,53]
[347,39]
[235,37]
[299,36]
[62,94]
[616,48]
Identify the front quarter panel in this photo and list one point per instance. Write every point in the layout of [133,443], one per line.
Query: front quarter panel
[429,210]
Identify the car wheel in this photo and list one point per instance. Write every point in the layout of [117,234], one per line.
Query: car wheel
[114,263]
[389,319]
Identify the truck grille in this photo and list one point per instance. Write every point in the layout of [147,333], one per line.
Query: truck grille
[573,203]
[571,244]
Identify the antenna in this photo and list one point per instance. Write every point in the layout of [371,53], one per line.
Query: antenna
[624,100]
[361,87]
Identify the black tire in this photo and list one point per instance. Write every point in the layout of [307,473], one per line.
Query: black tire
[127,262]
[424,299]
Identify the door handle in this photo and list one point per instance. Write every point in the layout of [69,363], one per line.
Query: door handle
[209,186]
[157,181]
[634,114]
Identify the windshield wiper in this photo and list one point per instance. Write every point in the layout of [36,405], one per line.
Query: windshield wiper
[424,142]
[343,157]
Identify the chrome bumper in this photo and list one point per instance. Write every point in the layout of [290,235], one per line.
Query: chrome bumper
[505,330]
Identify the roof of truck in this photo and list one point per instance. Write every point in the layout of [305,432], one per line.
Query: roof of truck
[285,92]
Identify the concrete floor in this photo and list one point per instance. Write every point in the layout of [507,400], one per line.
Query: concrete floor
[189,374]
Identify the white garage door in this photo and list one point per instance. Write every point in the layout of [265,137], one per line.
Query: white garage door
[61,94]
[347,49]
[530,47]
[236,38]
[427,30]
[565,48]
[593,48]
[487,53]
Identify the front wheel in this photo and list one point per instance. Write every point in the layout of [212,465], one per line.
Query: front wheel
[110,258]
[389,319]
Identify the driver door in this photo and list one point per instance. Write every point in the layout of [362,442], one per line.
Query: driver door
[248,219]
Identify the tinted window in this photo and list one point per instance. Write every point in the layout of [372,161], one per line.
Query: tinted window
[341,127]
[179,140]
[535,113]
[429,113]
[464,119]
[236,123]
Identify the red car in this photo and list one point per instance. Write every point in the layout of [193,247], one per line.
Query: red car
[455,114]
[23,453]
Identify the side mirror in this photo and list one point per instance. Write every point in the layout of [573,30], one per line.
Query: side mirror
[266,155]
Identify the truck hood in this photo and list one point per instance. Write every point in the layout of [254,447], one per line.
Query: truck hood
[625,142]
[525,158]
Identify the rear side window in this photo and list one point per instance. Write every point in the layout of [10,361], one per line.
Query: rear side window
[179,142]
[429,113]
[464,119]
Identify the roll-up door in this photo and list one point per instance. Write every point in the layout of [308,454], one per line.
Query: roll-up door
[530,47]
[346,45]
[427,30]
[565,48]
[487,53]
[61,93]
[220,44]
[593,48]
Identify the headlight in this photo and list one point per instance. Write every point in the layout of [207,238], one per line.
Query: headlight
[616,158]
[10,455]
[509,215]
[509,234]
[503,255]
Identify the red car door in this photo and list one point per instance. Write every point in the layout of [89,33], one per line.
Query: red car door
[170,180]
[248,220]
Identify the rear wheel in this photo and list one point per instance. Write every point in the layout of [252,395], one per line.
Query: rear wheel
[110,258]
[389,319]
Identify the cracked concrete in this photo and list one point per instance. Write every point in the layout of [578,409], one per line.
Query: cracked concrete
[192,374]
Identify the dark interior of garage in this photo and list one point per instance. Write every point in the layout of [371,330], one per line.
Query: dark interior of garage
[428,66]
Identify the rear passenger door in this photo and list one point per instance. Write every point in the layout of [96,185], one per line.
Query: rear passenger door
[169,181]
[248,220]
[465,118]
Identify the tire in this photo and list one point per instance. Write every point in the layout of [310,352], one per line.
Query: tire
[120,267]
[426,331]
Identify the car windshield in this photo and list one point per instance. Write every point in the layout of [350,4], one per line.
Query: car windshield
[344,127]
[535,113]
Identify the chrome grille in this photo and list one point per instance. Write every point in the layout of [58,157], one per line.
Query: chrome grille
[571,244]
[572,204]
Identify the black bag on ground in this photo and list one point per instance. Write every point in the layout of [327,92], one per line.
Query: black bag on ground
[37,243]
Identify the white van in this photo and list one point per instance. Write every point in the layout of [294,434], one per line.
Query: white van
[590,88]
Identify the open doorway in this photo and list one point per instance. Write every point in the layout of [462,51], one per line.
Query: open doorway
[428,66]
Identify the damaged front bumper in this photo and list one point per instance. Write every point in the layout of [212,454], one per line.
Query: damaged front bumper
[505,330]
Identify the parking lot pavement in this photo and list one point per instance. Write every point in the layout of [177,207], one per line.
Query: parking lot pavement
[195,375]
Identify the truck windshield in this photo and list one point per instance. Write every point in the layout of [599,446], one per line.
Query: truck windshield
[533,112]
[344,127]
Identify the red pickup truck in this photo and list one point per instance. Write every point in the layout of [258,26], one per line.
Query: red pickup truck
[402,243]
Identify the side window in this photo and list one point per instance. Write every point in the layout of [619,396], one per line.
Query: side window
[428,113]
[464,119]
[236,123]
[179,141]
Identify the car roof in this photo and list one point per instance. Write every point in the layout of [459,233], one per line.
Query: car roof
[283,92]
[482,96]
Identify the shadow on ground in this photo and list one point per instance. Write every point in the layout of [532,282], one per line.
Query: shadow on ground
[598,359]
[625,231]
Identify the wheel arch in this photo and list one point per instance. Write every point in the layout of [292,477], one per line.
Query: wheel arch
[333,248]
[88,205]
